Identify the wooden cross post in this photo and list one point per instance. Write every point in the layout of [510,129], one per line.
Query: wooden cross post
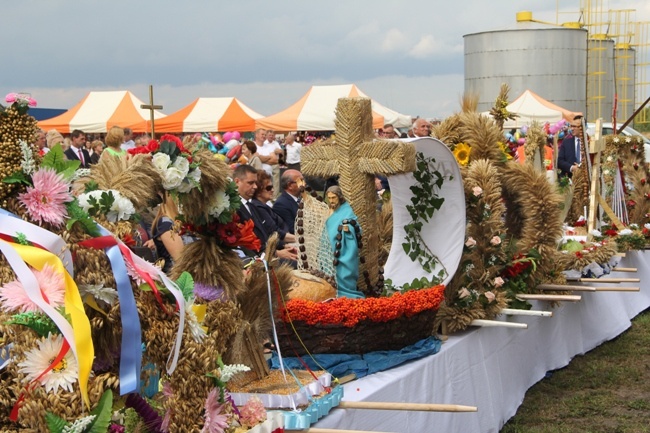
[151,107]
[356,158]
[596,147]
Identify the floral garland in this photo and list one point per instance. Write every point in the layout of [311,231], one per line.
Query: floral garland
[349,312]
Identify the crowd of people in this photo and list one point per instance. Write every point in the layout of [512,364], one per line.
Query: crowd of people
[266,171]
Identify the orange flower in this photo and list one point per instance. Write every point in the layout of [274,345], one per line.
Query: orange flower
[349,312]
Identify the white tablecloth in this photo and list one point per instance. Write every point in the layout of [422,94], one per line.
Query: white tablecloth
[491,368]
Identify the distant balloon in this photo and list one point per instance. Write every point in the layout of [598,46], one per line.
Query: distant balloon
[236,135]
[227,137]
[524,129]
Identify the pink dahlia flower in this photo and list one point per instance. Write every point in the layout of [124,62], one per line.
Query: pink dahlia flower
[14,299]
[45,201]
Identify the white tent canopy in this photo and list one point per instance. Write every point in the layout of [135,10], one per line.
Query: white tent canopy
[530,107]
[315,111]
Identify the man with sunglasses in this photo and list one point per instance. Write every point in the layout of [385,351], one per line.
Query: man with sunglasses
[286,206]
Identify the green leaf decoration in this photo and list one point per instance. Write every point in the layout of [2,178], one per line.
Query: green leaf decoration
[77,214]
[37,322]
[91,186]
[106,201]
[56,159]
[186,285]
[17,177]
[55,424]
[21,238]
[103,412]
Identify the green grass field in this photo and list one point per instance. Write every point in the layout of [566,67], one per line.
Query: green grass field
[605,390]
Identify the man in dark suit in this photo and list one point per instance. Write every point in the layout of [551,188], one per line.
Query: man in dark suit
[286,206]
[570,154]
[245,177]
[77,149]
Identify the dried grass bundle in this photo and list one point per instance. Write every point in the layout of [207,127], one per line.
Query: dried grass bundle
[211,264]
[214,177]
[134,177]
[483,135]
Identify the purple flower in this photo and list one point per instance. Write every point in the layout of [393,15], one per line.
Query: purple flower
[208,292]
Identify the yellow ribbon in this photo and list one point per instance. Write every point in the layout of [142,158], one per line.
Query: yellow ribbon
[199,311]
[38,258]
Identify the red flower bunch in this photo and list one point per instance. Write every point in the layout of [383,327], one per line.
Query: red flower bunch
[151,147]
[518,266]
[580,223]
[611,233]
[631,203]
[349,312]
[166,144]
[232,234]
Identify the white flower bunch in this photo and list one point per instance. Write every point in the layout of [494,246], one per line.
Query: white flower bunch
[228,371]
[176,175]
[27,164]
[98,201]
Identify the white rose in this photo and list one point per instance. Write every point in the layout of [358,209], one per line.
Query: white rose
[596,233]
[182,164]
[490,296]
[221,203]
[172,178]
[122,208]
[625,232]
[160,161]
[191,181]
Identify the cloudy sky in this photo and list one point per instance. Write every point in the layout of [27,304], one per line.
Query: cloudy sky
[407,55]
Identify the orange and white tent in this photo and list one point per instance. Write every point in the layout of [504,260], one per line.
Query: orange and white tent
[97,112]
[530,107]
[210,115]
[315,111]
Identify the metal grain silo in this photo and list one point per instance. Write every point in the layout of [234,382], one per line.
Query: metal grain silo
[624,76]
[548,59]
[600,77]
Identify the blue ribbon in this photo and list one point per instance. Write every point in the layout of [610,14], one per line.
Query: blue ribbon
[131,353]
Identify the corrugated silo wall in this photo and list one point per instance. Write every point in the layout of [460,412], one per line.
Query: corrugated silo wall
[551,62]
[625,61]
[600,79]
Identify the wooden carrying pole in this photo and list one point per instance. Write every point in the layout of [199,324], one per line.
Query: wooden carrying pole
[568,298]
[417,407]
[497,324]
[624,270]
[333,430]
[516,312]
[605,280]
[565,288]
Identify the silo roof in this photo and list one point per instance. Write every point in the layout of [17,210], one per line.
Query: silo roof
[527,25]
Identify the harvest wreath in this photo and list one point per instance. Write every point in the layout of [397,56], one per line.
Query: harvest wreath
[346,325]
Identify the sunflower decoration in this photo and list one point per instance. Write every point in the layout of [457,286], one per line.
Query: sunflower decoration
[461,153]
[505,149]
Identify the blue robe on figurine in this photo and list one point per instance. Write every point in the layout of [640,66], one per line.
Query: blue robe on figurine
[347,270]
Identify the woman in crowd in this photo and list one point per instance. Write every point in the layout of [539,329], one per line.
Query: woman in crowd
[96,149]
[261,200]
[169,245]
[114,140]
[249,150]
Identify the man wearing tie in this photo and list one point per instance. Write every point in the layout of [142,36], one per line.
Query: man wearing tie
[245,177]
[77,149]
[571,152]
